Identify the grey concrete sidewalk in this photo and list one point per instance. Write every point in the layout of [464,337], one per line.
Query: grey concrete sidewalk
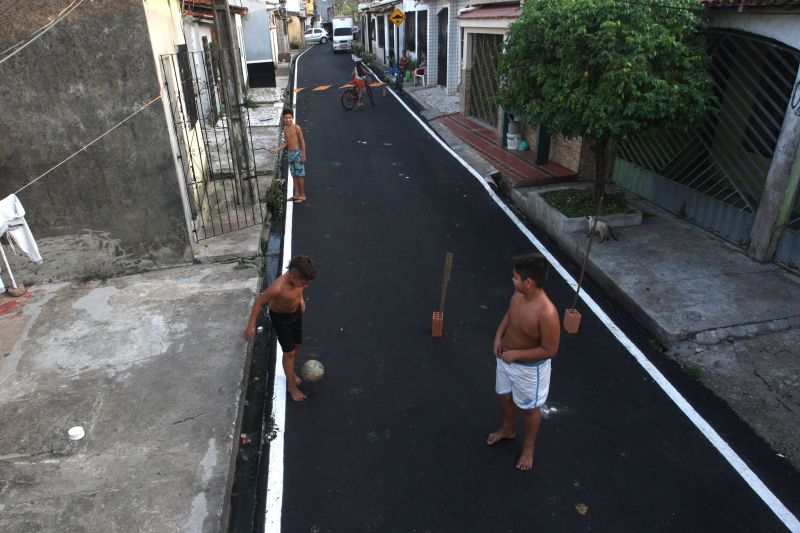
[730,321]
[152,367]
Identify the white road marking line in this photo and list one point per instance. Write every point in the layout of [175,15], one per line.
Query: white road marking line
[758,486]
[274,496]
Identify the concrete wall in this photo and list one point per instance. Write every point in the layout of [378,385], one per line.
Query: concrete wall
[256,33]
[116,207]
[775,24]
[296,29]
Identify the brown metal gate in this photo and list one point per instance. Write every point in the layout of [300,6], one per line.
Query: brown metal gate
[484,83]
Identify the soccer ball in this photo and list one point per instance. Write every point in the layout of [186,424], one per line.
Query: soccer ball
[312,370]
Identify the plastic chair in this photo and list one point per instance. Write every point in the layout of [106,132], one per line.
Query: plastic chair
[420,76]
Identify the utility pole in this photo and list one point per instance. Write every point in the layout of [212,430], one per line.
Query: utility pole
[234,101]
[781,185]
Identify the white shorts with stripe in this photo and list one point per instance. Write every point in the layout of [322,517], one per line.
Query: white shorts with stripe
[528,382]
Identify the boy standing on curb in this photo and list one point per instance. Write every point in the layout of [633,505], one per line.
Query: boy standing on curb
[284,298]
[526,340]
[296,144]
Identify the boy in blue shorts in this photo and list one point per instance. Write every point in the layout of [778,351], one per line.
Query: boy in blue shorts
[296,144]
[526,340]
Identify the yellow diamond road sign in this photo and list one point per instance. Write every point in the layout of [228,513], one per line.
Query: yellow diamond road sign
[397,17]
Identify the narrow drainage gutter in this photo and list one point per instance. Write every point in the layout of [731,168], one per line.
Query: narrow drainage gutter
[248,501]
[248,496]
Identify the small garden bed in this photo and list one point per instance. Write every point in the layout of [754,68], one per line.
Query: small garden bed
[561,209]
[579,202]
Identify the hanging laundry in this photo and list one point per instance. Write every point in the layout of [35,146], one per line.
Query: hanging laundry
[13,224]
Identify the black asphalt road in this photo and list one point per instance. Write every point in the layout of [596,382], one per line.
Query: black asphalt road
[393,438]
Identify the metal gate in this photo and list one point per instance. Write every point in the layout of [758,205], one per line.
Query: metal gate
[484,82]
[715,174]
[223,191]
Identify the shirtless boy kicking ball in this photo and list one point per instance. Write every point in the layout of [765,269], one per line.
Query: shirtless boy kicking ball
[526,340]
[286,307]
[296,144]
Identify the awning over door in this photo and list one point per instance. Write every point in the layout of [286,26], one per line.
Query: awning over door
[483,13]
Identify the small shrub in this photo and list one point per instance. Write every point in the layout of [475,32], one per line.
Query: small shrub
[579,202]
[275,197]
[693,372]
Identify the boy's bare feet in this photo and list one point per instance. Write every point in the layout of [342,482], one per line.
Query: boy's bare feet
[297,380]
[525,461]
[296,394]
[499,435]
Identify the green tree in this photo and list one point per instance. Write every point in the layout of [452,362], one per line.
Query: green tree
[607,69]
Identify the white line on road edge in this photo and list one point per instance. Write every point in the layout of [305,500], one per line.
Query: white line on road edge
[758,486]
[274,496]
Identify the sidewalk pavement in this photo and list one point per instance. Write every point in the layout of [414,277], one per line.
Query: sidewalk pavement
[732,322]
[153,367]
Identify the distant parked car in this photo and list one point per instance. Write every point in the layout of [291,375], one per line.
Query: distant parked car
[316,35]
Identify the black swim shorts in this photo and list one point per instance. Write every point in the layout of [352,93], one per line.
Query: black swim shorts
[288,327]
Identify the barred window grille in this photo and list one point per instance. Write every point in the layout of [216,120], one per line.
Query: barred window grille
[728,156]
[484,83]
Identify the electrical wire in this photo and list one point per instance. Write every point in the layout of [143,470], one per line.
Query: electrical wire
[41,31]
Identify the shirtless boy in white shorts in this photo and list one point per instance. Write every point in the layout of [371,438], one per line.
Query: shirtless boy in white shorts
[526,340]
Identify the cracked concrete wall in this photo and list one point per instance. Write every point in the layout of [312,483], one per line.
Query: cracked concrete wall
[115,207]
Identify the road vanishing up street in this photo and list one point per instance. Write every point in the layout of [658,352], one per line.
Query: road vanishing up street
[393,438]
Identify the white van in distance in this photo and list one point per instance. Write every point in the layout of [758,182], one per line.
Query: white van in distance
[342,33]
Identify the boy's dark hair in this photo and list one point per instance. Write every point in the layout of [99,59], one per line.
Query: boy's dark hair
[303,266]
[533,266]
[287,111]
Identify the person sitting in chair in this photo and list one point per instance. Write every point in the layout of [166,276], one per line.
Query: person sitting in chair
[420,70]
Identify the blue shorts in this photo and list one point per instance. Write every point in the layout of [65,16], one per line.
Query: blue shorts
[296,167]
[527,382]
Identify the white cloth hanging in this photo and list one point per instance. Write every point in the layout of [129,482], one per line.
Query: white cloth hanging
[12,222]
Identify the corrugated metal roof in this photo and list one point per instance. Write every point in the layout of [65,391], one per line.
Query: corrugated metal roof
[750,3]
[380,7]
[503,12]
[208,4]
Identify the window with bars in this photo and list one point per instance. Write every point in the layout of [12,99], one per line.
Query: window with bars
[381,32]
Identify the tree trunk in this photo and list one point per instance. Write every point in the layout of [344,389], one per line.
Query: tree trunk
[605,150]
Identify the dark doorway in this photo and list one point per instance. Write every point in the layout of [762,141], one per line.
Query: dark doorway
[443,21]
[422,30]
[371,31]
[392,47]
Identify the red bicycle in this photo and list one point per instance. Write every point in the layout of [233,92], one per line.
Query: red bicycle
[349,96]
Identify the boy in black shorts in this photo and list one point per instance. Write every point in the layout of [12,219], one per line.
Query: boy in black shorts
[286,307]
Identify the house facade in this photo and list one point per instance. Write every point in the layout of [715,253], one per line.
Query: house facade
[120,178]
[737,174]
[429,32]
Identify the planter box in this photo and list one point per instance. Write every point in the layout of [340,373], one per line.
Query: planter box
[555,221]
